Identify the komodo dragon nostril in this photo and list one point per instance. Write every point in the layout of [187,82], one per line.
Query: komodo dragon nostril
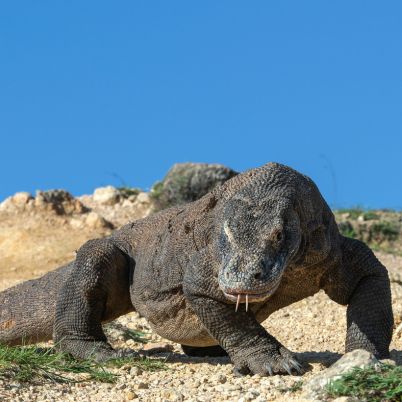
[262,269]
[258,275]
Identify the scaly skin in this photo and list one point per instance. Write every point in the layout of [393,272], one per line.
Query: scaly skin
[263,240]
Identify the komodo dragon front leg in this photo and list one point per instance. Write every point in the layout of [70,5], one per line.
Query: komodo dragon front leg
[361,282]
[96,291]
[250,347]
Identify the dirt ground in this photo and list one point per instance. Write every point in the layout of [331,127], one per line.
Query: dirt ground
[35,238]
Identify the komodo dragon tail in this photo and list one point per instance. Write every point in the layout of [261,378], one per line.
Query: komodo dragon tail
[27,310]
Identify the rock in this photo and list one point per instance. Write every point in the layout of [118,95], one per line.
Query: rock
[142,385]
[172,395]
[143,198]
[130,395]
[59,201]
[21,199]
[135,371]
[186,182]
[154,348]
[221,379]
[389,362]
[16,202]
[95,221]
[357,358]
[108,195]
[127,203]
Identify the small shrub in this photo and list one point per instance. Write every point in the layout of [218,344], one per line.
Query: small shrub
[384,231]
[126,192]
[379,383]
[156,190]
[370,215]
[346,229]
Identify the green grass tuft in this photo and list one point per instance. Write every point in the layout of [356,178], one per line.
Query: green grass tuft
[38,365]
[135,335]
[370,215]
[380,383]
[33,364]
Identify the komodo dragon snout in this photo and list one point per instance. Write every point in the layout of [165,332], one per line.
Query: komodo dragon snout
[258,238]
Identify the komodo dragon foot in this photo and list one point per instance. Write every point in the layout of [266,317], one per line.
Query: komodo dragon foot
[267,362]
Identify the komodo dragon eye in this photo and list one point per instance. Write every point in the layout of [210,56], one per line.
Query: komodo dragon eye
[277,236]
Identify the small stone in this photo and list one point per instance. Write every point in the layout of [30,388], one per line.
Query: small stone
[135,371]
[130,342]
[172,395]
[194,384]
[254,392]
[160,347]
[130,395]
[390,362]
[142,385]
[108,195]
[221,379]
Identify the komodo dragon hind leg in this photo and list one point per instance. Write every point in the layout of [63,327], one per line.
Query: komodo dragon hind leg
[363,285]
[97,290]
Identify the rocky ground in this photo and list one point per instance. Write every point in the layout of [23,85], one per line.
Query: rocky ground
[40,233]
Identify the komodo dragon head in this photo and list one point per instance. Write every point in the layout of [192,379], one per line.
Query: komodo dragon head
[260,232]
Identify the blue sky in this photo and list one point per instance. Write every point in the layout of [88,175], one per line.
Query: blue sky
[95,92]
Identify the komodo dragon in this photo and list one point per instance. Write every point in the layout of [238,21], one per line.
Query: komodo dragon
[206,275]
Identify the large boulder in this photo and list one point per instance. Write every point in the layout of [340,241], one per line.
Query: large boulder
[186,182]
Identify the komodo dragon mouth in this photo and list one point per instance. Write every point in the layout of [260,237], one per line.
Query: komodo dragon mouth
[249,297]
